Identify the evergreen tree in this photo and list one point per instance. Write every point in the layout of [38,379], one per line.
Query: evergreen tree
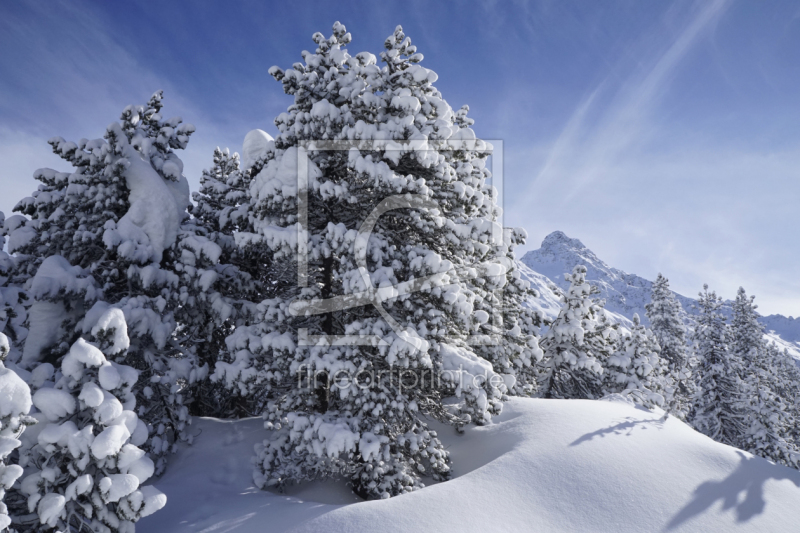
[84,469]
[14,408]
[787,386]
[225,280]
[577,344]
[513,347]
[13,300]
[717,407]
[664,312]
[406,142]
[223,189]
[769,417]
[636,370]
[747,336]
[115,219]
[787,375]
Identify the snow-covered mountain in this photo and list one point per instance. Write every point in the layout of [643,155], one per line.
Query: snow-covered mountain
[625,294]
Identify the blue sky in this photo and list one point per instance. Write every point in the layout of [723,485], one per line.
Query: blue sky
[664,135]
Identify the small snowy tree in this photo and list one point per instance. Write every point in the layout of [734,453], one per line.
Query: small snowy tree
[635,368]
[13,300]
[223,190]
[664,312]
[513,347]
[717,407]
[577,344]
[115,219]
[221,282]
[15,403]
[85,470]
[747,337]
[768,417]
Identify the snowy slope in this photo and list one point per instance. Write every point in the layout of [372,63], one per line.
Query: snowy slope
[626,294]
[787,327]
[543,465]
[548,302]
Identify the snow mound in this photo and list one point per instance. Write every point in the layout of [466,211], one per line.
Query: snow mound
[255,144]
[157,207]
[543,465]
[15,396]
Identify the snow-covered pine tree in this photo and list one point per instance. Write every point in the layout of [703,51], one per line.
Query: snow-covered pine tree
[107,232]
[787,376]
[14,408]
[84,468]
[577,344]
[13,301]
[664,313]
[224,280]
[223,189]
[635,368]
[769,418]
[513,328]
[406,140]
[717,406]
[747,342]
[786,385]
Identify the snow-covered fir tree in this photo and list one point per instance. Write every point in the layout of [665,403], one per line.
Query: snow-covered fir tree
[223,189]
[513,327]
[84,468]
[228,279]
[13,301]
[664,312]
[577,344]
[747,342]
[15,403]
[717,409]
[406,140]
[786,385]
[107,232]
[635,368]
[787,376]
[769,417]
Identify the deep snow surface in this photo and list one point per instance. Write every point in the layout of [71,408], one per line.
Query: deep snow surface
[544,465]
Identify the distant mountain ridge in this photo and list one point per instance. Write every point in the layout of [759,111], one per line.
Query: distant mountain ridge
[625,294]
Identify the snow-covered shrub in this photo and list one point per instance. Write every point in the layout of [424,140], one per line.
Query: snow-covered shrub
[85,469]
[15,403]
[577,344]
[635,368]
[106,232]
[414,147]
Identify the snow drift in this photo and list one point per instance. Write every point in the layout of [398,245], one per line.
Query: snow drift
[543,465]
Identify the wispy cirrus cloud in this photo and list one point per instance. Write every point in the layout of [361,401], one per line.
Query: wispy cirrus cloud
[650,195]
[72,80]
[615,118]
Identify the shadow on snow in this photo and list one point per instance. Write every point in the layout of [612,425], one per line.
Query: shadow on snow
[748,478]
